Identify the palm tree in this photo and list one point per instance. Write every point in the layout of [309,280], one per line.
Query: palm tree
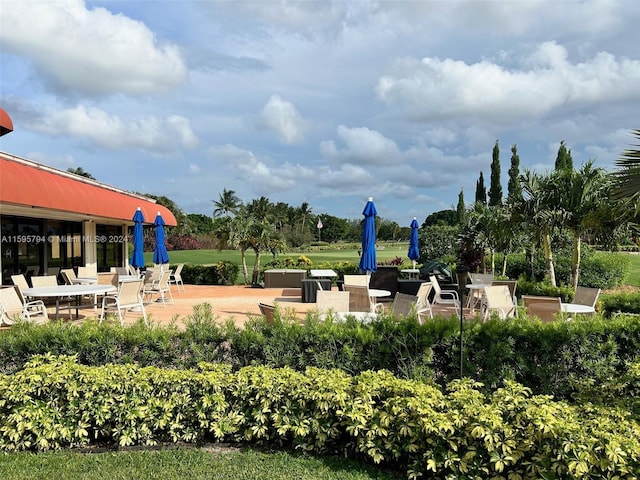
[627,179]
[227,203]
[540,210]
[583,191]
[304,211]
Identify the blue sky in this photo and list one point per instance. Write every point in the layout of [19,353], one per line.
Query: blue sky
[317,101]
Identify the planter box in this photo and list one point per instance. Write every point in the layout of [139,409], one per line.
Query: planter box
[284,278]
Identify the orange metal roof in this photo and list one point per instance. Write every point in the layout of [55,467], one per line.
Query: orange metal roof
[6,125]
[27,183]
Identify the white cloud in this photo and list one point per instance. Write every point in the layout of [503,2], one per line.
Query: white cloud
[361,146]
[106,131]
[282,117]
[434,89]
[90,51]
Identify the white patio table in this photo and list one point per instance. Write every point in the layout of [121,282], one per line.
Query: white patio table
[476,291]
[323,273]
[61,291]
[576,308]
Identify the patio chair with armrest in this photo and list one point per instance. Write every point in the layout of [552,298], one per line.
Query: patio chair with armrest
[68,275]
[360,300]
[545,308]
[161,288]
[129,297]
[176,277]
[13,305]
[330,300]
[44,281]
[423,305]
[361,280]
[20,281]
[444,297]
[586,296]
[512,285]
[403,304]
[499,300]
[332,304]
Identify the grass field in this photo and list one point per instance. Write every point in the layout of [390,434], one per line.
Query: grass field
[386,251]
[181,463]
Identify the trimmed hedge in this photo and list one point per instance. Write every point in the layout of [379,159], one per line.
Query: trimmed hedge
[558,358]
[56,403]
[220,273]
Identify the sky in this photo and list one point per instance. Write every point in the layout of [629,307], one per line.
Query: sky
[323,102]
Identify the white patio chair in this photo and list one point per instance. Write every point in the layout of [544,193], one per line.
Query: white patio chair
[423,305]
[403,304]
[444,297]
[160,288]
[360,299]
[128,297]
[13,305]
[498,300]
[176,277]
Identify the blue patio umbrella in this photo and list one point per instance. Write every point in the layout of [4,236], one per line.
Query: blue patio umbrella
[137,257]
[414,251]
[368,258]
[160,254]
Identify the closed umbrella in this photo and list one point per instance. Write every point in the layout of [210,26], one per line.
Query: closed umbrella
[137,257]
[414,251]
[368,259]
[160,255]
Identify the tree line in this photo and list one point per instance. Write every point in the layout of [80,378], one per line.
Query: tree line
[542,212]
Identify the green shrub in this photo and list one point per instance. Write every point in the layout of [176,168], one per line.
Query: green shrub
[220,273]
[521,349]
[55,403]
[597,269]
[617,303]
[526,287]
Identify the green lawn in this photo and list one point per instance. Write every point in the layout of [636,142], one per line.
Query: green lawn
[634,275]
[385,251]
[180,464]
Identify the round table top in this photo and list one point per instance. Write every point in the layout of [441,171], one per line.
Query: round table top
[576,308]
[477,286]
[66,290]
[377,292]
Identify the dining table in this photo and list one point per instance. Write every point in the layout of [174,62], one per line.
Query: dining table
[60,292]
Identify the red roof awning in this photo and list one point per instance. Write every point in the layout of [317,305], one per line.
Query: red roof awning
[6,125]
[29,184]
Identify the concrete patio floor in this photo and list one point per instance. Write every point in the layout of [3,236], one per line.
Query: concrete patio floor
[237,302]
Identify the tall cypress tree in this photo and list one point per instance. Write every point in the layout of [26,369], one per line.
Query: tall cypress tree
[495,188]
[481,191]
[564,161]
[461,209]
[514,189]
